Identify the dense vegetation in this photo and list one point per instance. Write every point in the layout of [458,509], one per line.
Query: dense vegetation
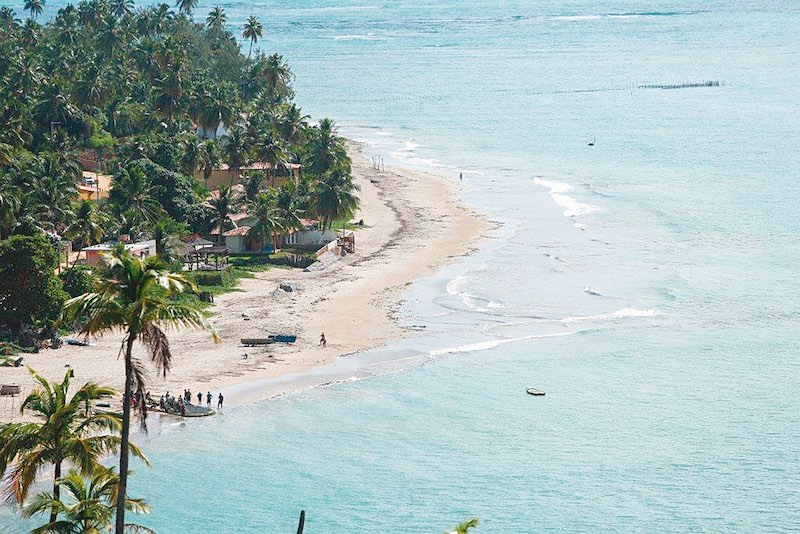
[141,94]
[153,98]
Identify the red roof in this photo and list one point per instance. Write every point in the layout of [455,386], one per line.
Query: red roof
[242,230]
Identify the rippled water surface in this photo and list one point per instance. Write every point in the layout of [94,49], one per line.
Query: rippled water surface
[647,283]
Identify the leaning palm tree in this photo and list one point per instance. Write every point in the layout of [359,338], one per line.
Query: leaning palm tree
[252,30]
[66,431]
[89,506]
[135,299]
[465,526]
[35,7]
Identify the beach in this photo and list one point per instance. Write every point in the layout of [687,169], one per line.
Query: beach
[414,222]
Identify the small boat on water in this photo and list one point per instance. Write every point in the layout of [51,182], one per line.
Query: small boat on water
[534,391]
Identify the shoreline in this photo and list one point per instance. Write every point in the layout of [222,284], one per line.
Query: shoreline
[415,223]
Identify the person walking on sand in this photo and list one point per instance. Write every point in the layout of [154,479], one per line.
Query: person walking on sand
[461,177]
[199,398]
[219,401]
[322,341]
[208,399]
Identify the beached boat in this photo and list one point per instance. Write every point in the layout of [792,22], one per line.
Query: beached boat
[534,391]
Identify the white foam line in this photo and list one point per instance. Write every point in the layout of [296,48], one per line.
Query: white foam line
[486,345]
[619,314]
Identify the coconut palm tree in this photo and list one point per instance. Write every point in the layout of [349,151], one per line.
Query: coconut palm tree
[166,234]
[225,203]
[269,149]
[87,227]
[135,299]
[35,7]
[65,431]
[190,154]
[277,78]
[9,201]
[209,158]
[326,149]
[334,197]
[288,208]
[465,526]
[216,19]
[186,7]
[217,105]
[293,125]
[89,506]
[131,192]
[235,147]
[122,8]
[268,219]
[252,30]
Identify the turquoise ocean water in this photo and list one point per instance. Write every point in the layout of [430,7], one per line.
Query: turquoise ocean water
[648,283]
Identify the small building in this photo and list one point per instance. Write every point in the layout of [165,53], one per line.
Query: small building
[225,176]
[94,186]
[142,249]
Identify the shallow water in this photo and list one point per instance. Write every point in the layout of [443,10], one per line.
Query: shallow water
[647,283]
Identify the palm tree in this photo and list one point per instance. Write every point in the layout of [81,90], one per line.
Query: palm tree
[132,192]
[293,125]
[66,431]
[288,208]
[87,226]
[50,183]
[277,77]
[166,234]
[269,149]
[225,203]
[334,197]
[190,154]
[216,19]
[135,299]
[209,158]
[326,149]
[217,105]
[465,526]
[252,30]
[9,201]
[121,8]
[186,7]
[89,507]
[235,146]
[35,7]
[268,219]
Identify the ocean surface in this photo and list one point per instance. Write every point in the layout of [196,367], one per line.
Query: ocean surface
[648,283]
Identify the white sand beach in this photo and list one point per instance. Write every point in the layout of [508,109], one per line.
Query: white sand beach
[414,223]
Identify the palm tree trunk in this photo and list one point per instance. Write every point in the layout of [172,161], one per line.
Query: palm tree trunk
[56,490]
[126,426]
[251,49]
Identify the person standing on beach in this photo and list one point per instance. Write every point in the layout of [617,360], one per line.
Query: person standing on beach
[322,341]
[208,399]
[461,177]
[199,398]
[219,401]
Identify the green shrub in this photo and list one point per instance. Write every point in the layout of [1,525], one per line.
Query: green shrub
[77,280]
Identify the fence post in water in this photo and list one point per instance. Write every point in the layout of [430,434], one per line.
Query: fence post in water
[301,525]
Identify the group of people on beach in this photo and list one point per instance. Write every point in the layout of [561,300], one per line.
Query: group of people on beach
[170,404]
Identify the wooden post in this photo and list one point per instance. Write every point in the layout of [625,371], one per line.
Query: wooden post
[301,525]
